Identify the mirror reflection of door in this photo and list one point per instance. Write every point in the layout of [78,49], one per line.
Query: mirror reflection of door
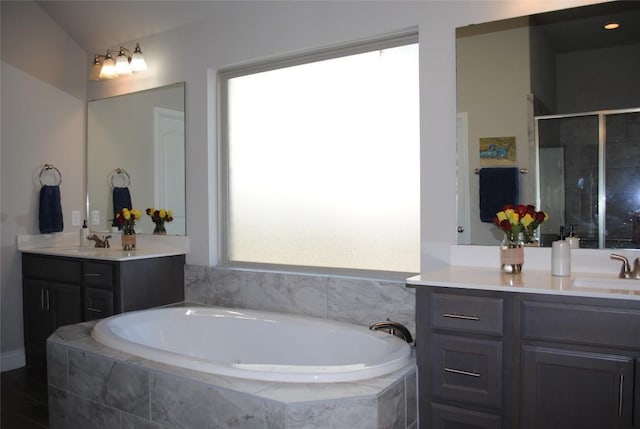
[169,166]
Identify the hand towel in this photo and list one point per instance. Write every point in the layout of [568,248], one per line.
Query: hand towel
[121,200]
[50,210]
[498,186]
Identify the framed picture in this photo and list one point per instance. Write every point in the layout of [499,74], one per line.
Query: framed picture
[497,151]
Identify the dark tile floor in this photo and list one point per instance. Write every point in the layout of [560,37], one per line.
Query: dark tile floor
[23,400]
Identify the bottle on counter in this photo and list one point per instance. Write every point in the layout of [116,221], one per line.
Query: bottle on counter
[84,234]
[561,256]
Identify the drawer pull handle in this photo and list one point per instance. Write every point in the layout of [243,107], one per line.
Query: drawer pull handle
[460,316]
[461,372]
[93,275]
[94,310]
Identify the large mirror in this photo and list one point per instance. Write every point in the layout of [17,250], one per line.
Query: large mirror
[136,153]
[555,98]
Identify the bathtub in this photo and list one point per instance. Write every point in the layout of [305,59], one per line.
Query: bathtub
[255,344]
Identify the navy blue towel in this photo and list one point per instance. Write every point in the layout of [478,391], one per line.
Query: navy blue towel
[498,186]
[121,200]
[50,210]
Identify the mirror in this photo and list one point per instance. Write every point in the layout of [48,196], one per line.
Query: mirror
[136,150]
[515,79]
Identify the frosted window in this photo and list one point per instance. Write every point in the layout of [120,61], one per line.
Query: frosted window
[323,163]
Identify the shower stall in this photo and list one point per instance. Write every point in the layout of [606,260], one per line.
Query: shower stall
[588,176]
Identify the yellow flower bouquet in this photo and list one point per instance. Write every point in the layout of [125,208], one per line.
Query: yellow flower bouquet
[126,218]
[513,220]
[159,217]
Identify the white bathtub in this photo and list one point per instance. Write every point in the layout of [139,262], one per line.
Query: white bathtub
[254,344]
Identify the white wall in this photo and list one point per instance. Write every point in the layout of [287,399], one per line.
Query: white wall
[43,121]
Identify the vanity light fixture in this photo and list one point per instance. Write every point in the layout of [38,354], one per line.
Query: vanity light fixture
[126,63]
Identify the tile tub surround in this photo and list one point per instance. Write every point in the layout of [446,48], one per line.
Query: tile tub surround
[353,300]
[92,387]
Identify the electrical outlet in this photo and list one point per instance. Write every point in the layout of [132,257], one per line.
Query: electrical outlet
[95,217]
[75,218]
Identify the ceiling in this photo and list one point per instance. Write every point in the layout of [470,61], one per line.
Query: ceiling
[105,24]
[99,25]
[581,28]
[574,29]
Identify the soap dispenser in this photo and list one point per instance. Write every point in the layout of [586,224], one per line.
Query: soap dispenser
[561,256]
[84,234]
[574,242]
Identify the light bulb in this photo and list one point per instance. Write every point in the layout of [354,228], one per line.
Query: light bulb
[138,64]
[122,63]
[108,67]
[96,67]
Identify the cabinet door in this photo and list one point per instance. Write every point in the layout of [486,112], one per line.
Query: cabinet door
[36,320]
[46,307]
[64,305]
[98,303]
[565,389]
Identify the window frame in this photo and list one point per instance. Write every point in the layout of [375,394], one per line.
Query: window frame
[406,37]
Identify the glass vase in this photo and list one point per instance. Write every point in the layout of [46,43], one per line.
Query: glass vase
[512,254]
[159,229]
[128,238]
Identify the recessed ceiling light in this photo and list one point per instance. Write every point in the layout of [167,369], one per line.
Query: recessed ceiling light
[611,26]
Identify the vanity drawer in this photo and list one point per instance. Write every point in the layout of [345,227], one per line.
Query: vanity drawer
[97,274]
[98,303]
[51,269]
[581,324]
[445,416]
[467,313]
[467,369]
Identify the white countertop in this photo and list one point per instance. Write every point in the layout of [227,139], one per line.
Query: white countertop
[67,244]
[597,285]
[111,254]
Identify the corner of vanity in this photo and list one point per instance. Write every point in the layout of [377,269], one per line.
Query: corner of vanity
[526,351]
[65,284]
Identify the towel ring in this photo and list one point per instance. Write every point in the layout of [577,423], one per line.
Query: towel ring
[120,172]
[49,167]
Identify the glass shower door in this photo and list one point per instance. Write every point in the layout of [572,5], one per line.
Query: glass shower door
[589,176]
[568,180]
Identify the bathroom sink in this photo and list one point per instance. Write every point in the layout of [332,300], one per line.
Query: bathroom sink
[608,283]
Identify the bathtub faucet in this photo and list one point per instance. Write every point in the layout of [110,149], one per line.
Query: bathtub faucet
[393,328]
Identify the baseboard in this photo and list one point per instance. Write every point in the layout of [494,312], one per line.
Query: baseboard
[12,359]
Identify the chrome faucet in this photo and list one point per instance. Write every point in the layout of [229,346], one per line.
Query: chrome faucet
[393,328]
[625,270]
[100,242]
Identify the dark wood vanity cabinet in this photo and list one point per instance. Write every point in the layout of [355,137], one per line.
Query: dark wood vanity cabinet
[505,360]
[60,291]
[464,356]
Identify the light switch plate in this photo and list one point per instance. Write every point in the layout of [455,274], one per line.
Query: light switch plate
[95,217]
[75,218]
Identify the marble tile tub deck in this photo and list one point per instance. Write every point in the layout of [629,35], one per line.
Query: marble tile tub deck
[92,387]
